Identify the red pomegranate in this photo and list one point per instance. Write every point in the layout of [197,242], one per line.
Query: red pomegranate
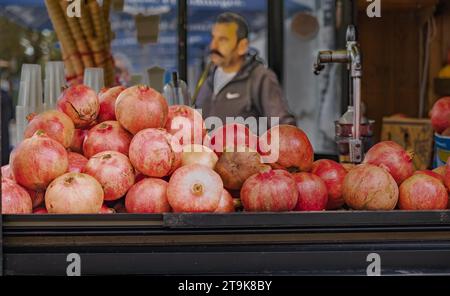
[423,192]
[430,173]
[291,145]
[40,211]
[37,197]
[440,114]
[107,136]
[195,153]
[80,103]
[186,124]
[76,162]
[55,124]
[333,174]
[312,192]
[74,193]
[7,172]
[37,161]
[392,157]
[140,107]
[15,199]
[226,203]
[230,137]
[369,187]
[446,175]
[148,196]
[155,152]
[107,210]
[194,188]
[113,170]
[78,139]
[107,100]
[269,191]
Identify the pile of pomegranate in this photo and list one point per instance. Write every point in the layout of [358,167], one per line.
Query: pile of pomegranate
[126,150]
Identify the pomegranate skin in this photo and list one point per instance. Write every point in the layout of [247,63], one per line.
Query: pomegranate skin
[226,203]
[37,161]
[440,114]
[113,170]
[295,150]
[155,153]
[107,101]
[194,188]
[148,196]
[186,124]
[76,162]
[333,174]
[392,157]
[74,193]
[312,192]
[369,187]
[269,191]
[80,103]
[55,124]
[140,107]
[106,136]
[423,192]
[15,199]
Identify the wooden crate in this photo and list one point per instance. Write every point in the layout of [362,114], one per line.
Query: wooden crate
[414,135]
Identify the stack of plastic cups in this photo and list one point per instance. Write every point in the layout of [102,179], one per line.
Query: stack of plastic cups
[54,82]
[93,77]
[30,97]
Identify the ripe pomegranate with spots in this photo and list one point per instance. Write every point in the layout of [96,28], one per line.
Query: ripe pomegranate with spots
[80,103]
[155,152]
[37,161]
[312,192]
[140,107]
[431,174]
[76,162]
[186,124]
[15,199]
[107,136]
[295,152]
[423,192]
[230,137]
[78,139]
[226,203]
[369,187]
[194,188]
[333,174]
[55,124]
[195,153]
[392,157]
[113,170]
[107,100]
[148,196]
[440,114]
[74,193]
[269,191]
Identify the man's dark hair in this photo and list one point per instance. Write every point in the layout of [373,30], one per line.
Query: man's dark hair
[231,17]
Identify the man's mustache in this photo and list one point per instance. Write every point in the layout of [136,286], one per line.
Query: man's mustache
[213,51]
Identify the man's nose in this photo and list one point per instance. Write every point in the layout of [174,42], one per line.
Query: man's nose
[213,44]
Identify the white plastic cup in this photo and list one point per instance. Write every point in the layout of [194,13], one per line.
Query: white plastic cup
[93,77]
[54,82]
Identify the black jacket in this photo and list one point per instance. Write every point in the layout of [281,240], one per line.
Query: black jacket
[254,91]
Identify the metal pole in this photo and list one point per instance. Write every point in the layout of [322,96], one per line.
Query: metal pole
[182,39]
[275,36]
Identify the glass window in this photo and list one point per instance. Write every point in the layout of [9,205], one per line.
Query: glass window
[201,16]
[139,57]
[309,26]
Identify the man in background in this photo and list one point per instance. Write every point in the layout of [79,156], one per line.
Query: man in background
[238,84]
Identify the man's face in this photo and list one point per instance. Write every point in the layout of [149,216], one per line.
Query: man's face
[224,46]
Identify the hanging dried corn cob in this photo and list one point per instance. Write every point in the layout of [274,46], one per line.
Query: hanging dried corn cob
[64,35]
[77,34]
